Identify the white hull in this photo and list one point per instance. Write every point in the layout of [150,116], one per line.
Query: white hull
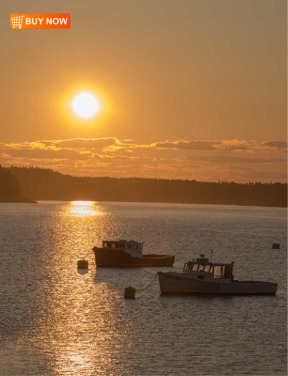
[184,283]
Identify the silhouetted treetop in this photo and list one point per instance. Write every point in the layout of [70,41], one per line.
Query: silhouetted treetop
[10,190]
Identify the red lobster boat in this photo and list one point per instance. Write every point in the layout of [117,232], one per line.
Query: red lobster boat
[128,253]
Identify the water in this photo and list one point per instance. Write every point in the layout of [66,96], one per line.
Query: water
[56,321]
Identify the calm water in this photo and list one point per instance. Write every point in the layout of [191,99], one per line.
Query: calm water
[55,321]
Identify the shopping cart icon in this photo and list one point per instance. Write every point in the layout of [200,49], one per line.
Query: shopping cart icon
[17,22]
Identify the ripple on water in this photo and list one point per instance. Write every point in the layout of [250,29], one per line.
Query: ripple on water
[55,321]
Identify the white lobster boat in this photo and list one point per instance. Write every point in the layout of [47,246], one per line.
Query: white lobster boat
[202,277]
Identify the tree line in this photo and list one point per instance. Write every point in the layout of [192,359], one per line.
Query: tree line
[45,184]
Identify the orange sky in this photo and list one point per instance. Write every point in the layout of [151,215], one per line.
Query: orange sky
[192,89]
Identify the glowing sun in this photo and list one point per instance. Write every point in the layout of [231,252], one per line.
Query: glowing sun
[85,105]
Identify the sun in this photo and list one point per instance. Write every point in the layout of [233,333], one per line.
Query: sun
[85,105]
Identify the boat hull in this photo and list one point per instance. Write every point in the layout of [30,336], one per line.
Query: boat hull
[178,283]
[120,259]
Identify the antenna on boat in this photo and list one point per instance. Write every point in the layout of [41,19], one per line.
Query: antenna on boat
[211,250]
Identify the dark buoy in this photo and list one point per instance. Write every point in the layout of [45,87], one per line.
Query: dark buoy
[275,246]
[82,264]
[129,293]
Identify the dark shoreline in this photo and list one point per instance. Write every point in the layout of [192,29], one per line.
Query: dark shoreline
[20,201]
[45,184]
[39,201]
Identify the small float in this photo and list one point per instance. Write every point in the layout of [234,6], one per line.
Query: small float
[202,277]
[128,253]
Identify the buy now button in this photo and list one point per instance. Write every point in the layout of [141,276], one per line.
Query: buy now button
[40,21]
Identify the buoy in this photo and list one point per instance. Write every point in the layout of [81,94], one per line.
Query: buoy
[275,246]
[129,293]
[82,264]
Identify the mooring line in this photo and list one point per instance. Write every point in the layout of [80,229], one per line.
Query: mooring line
[145,288]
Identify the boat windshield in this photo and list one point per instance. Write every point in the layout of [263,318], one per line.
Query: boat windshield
[222,271]
[131,247]
[202,268]
[113,245]
[218,271]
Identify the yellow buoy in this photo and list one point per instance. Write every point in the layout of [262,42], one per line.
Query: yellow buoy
[82,264]
[129,293]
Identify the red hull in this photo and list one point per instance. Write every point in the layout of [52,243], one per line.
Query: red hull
[117,258]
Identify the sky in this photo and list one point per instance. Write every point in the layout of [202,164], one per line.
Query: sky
[189,89]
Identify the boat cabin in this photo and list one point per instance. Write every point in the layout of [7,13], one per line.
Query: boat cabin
[128,246]
[202,265]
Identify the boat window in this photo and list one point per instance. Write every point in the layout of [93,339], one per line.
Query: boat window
[217,271]
[201,268]
[227,271]
[207,268]
[195,267]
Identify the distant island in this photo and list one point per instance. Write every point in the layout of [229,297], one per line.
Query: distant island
[10,190]
[45,184]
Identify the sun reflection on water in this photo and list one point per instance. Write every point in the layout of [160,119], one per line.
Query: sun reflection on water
[82,332]
[85,208]
[82,203]
[83,337]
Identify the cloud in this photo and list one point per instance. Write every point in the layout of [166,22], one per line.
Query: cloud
[178,159]
[236,159]
[276,144]
[188,145]
[224,145]
[89,143]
